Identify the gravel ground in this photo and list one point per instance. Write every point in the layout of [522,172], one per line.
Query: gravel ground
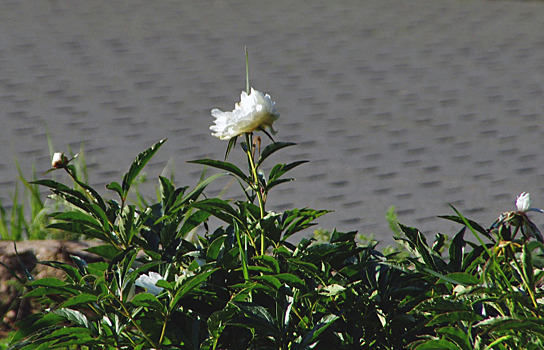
[416,104]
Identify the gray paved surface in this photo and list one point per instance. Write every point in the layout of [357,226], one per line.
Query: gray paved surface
[412,103]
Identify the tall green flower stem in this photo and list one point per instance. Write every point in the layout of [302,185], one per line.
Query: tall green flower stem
[255,183]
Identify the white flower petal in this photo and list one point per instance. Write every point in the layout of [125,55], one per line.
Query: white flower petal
[254,112]
[149,282]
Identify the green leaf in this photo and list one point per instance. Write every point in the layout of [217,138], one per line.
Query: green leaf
[230,146]
[296,220]
[215,248]
[114,186]
[79,217]
[218,208]
[137,166]
[229,167]
[527,268]
[190,284]
[303,265]
[72,196]
[91,192]
[167,188]
[78,300]
[418,242]
[455,316]
[107,251]
[456,249]
[510,324]
[193,221]
[78,229]
[193,195]
[311,339]
[439,242]
[457,335]
[48,282]
[437,344]
[459,220]
[258,317]
[270,149]
[275,183]
[290,279]
[219,320]
[463,278]
[269,280]
[269,261]
[147,300]
[34,323]
[74,316]
[279,169]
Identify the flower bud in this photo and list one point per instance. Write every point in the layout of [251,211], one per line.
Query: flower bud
[523,202]
[59,160]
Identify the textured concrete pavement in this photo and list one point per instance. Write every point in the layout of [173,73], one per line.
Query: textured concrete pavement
[411,103]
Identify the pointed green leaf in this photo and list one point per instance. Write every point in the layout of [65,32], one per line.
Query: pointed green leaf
[229,167]
[219,208]
[270,149]
[459,220]
[453,317]
[463,278]
[78,217]
[258,317]
[166,188]
[137,166]
[290,279]
[79,299]
[193,221]
[311,339]
[114,186]
[275,183]
[74,316]
[147,300]
[190,284]
[461,338]
[437,344]
[279,169]
[193,195]
[269,281]
[456,250]
[107,251]
[269,261]
[230,146]
[527,268]
[35,322]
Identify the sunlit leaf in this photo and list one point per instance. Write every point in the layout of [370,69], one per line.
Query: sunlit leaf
[229,167]
[137,166]
[270,149]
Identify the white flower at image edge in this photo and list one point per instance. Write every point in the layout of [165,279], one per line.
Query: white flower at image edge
[254,112]
[148,282]
[523,202]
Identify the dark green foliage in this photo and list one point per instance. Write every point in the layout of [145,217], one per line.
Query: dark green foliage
[246,285]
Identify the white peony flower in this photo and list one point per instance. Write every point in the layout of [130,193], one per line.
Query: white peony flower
[254,112]
[523,202]
[59,160]
[149,282]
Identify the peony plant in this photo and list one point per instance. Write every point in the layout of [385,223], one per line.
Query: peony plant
[244,284]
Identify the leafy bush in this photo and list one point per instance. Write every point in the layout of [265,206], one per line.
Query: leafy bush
[245,285]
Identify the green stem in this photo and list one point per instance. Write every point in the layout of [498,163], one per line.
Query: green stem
[166,317]
[127,314]
[255,182]
[243,253]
